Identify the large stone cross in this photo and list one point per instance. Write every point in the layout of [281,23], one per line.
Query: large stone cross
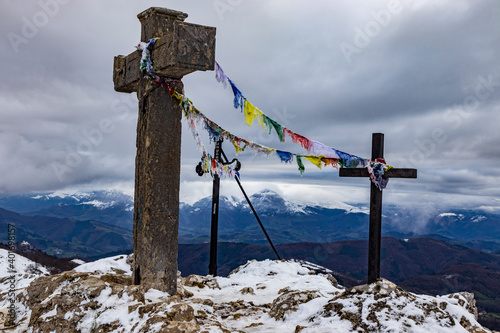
[375,233]
[182,48]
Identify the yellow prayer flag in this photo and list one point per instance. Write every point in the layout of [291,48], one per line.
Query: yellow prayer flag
[316,160]
[237,148]
[250,112]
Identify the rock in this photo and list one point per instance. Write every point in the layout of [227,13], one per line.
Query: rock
[200,281]
[130,260]
[289,301]
[466,300]
[179,327]
[330,278]
[237,269]
[381,287]
[204,301]
[375,302]
[183,292]
[247,290]
[181,312]
[75,302]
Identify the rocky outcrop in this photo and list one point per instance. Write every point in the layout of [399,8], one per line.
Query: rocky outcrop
[267,296]
[289,301]
[374,307]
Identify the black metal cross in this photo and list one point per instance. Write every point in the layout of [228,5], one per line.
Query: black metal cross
[375,233]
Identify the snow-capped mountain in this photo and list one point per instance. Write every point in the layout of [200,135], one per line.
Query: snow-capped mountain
[35,202]
[289,222]
[286,221]
[111,207]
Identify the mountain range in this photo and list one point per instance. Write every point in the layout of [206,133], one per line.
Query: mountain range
[110,214]
[426,252]
[290,222]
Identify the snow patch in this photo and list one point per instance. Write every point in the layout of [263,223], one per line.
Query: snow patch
[78,261]
[20,264]
[99,204]
[477,219]
[447,214]
[107,265]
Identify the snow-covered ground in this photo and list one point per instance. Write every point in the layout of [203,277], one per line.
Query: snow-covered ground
[261,296]
[107,265]
[21,265]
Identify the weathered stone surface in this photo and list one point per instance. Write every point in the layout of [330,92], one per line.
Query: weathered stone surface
[331,278]
[201,281]
[289,301]
[381,288]
[181,49]
[183,292]
[247,290]
[51,298]
[181,312]
[466,300]
[382,293]
[98,302]
[156,206]
[180,327]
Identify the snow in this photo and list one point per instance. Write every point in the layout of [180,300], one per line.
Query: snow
[78,261]
[99,204]
[269,279]
[50,313]
[21,264]
[477,219]
[58,194]
[106,265]
[459,216]
[295,207]
[154,295]
[271,274]
[112,308]
[447,214]
[348,208]
[16,282]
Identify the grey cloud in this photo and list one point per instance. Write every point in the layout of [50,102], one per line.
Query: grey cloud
[286,58]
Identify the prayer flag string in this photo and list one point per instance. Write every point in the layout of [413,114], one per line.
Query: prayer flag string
[345,160]
[323,156]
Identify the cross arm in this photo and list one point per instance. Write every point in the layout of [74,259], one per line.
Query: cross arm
[190,47]
[391,173]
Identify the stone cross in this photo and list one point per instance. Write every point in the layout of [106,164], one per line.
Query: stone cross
[182,48]
[375,233]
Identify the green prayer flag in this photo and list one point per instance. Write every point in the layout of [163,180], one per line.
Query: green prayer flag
[300,164]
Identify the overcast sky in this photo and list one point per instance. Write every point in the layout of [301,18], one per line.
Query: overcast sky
[424,73]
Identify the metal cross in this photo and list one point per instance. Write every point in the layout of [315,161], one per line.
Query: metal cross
[375,232]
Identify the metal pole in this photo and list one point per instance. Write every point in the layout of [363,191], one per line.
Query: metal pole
[375,233]
[254,212]
[212,267]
